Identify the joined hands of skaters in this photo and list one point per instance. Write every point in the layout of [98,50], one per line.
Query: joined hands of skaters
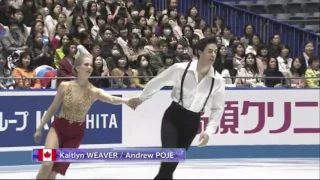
[134,103]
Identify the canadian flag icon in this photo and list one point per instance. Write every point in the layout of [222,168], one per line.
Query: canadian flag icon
[47,154]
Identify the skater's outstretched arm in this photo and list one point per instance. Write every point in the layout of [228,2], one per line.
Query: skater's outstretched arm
[108,98]
[166,78]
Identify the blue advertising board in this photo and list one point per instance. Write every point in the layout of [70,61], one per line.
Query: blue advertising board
[21,115]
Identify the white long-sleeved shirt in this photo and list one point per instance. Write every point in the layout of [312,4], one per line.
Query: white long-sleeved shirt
[284,65]
[194,93]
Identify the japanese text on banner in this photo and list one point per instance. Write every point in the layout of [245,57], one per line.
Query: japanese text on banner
[231,117]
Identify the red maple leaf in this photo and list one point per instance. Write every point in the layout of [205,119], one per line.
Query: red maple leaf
[47,154]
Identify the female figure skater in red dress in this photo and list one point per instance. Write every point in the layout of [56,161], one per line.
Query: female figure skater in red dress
[68,128]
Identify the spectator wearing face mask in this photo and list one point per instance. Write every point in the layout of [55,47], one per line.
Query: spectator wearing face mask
[143,69]
[134,14]
[166,32]
[116,50]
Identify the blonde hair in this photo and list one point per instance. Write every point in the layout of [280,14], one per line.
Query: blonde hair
[78,61]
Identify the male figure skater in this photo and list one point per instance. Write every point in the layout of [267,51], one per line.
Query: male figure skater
[194,84]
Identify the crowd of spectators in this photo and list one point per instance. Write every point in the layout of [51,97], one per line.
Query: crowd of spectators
[41,38]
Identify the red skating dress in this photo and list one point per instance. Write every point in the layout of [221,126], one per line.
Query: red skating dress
[70,124]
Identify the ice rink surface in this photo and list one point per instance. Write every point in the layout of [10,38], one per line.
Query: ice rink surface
[191,169]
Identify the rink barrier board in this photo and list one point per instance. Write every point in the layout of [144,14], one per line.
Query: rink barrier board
[262,144]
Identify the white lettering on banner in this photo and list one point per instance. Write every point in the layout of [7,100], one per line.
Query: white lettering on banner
[71,155]
[103,155]
[93,121]
[25,115]
[113,121]
[39,116]
[4,123]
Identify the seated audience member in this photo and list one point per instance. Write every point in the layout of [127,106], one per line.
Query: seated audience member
[122,70]
[274,78]
[167,61]
[40,52]
[313,72]
[239,53]
[249,74]
[6,80]
[59,55]
[13,41]
[100,70]
[296,74]
[66,64]
[143,70]
[25,74]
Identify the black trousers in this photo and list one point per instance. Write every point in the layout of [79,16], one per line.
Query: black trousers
[179,128]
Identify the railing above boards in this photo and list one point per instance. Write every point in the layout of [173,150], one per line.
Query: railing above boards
[117,82]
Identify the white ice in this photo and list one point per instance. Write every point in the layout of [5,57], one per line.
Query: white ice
[191,169]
